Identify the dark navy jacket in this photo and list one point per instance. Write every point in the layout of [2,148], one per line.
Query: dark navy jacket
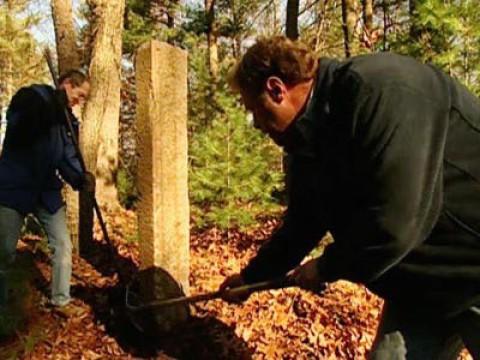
[387,158]
[37,151]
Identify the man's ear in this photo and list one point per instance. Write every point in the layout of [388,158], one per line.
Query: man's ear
[65,83]
[276,88]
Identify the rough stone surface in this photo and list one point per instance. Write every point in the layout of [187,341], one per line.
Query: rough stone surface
[162,178]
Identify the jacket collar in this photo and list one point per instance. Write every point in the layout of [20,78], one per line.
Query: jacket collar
[310,124]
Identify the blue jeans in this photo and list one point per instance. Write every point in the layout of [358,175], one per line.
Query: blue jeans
[55,226]
[408,333]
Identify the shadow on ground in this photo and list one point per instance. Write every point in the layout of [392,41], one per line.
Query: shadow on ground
[198,338]
[18,321]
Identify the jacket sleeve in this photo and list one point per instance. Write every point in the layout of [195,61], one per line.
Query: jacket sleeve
[301,231]
[25,115]
[69,166]
[397,134]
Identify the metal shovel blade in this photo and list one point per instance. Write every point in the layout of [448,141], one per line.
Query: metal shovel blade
[156,304]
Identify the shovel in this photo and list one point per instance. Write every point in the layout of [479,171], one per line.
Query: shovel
[278,283]
[48,58]
[155,303]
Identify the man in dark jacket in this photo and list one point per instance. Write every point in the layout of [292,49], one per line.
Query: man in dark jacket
[38,153]
[385,154]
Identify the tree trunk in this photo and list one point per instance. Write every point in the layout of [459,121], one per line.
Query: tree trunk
[237,38]
[412,6]
[416,31]
[276,22]
[321,26]
[101,112]
[291,26]
[7,88]
[385,25]
[68,56]
[368,16]
[369,35]
[8,81]
[349,18]
[212,39]
[172,12]
[163,12]
[291,31]
[65,35]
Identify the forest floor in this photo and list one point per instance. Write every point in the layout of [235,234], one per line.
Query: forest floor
[280,324]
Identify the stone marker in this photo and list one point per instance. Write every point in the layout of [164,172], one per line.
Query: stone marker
[163,209]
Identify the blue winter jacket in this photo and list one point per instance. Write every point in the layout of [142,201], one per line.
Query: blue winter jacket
[38,152]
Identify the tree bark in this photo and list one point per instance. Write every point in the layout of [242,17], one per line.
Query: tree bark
[291,31]
[8,80]
[291,26]
[237,38]
[276,22]
[172,12]
[416,31]
[368,15]
[349,18]
[369,36]
[101,112]
[65,36]
[163,12]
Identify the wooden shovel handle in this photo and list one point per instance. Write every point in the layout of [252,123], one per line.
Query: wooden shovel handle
[277,283]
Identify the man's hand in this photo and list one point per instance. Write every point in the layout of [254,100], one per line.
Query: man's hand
[89,183]
[231,282]
[308,277]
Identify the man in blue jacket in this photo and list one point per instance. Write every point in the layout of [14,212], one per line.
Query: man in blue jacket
[385,154]
[37,156]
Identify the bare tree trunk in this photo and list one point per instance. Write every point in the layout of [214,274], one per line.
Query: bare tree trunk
[212,58]
[411,9]
[369,35]
[349,18]
[276,22]
[368,15]
[8,81]
[102,111]
[385,25]
[291,26]
[172,12]
[322,24]
[212,39]
[65,35]
[7,89]
[237,40]
[291,31]
[416,31]
[68,56]
[163,12]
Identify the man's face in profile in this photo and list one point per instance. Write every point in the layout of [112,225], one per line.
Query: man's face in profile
[76,95]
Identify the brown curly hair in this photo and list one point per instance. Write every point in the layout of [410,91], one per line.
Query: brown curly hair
[291,61]
[76,77]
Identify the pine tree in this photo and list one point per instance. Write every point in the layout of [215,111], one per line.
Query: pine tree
[234,170]
[446,34]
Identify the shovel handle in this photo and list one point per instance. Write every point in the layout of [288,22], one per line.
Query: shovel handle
[278,283]
[48,58]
